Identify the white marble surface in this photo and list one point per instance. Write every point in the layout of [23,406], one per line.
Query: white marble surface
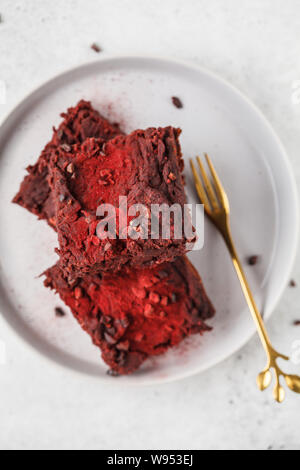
[255,44]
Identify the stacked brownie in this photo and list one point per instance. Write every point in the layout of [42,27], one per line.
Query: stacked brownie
[135,296]
[78,124]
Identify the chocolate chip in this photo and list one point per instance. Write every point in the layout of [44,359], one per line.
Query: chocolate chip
[59,312]
[66,147]
[296,323]
[293,283]
[112,373]
[96,48]
[253,260]
[177,102]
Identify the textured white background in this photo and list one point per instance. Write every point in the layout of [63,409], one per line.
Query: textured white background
[255,44]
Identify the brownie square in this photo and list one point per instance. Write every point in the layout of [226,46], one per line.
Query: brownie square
[79,123]
[144,166]
[136,314]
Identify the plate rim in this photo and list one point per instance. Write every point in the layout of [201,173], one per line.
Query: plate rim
[134,380]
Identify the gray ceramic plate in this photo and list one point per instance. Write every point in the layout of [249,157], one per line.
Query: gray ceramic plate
[216,119]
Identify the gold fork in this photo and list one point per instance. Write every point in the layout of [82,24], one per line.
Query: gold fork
[216,206]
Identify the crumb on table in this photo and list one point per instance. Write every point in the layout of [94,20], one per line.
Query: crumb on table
[96,47]
[177,102]
[253,260]
[59,312]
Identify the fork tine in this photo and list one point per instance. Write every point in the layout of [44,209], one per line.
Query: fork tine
[218,186]
[199,187]
[208,186]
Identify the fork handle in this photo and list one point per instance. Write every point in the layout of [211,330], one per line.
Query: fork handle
[248,294]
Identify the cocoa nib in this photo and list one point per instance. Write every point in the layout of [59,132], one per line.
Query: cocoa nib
[60,134]
[96,47]
[253,260]
[122,357]
[177,102]
[109,339]
[111,331]
[66,147]
[107,320]
[59,312]
[70,168]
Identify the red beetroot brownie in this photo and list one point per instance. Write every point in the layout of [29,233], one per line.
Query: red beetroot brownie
[133,315]
[78,124]
[144,166]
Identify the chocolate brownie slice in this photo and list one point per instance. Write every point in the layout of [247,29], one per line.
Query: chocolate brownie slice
[78,124]
[133,315]
[146,168]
